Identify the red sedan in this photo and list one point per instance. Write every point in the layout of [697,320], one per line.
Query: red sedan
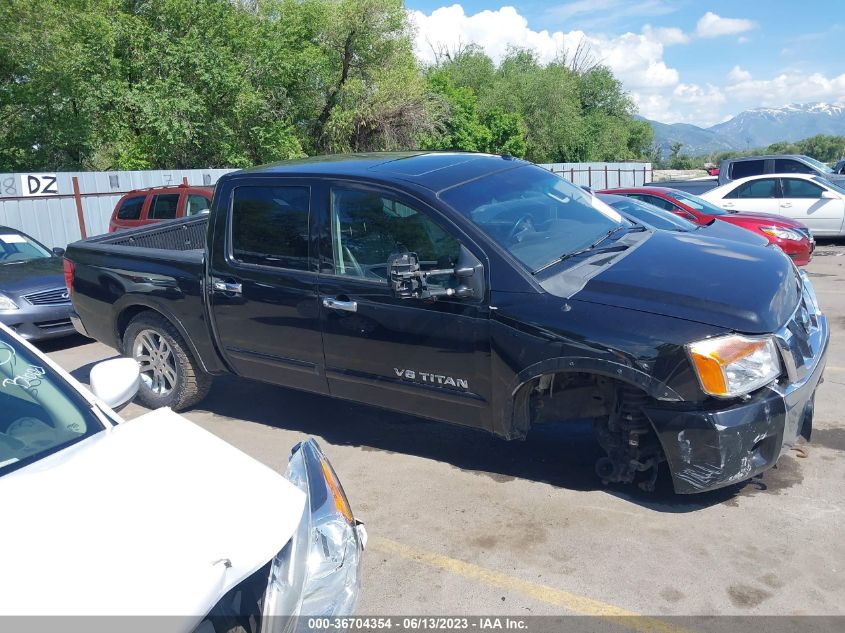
[792,237]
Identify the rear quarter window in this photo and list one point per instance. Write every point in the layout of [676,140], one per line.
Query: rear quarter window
[130,209]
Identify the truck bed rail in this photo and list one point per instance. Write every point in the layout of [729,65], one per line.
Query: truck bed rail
[185,234]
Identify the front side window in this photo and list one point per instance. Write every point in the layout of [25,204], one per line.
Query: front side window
[42,414]
[744,168]
[270,226]
[196,204]
[764,188]
[799,188]
[660,203]
[130,209]
[790,166]
[368,227]
[163,206]
[537,216]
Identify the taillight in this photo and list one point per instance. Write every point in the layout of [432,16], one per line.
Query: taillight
[68,269]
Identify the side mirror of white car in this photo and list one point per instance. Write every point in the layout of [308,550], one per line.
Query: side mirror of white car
[829,195]
[116,381]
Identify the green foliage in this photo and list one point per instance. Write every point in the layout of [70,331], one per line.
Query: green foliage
[827,149]
[140,84]
[566,113]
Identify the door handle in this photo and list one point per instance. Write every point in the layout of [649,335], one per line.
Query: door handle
[728,204]
[227,286]
[785,205]
[333,304]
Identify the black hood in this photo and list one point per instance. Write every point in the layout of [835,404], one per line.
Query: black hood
[20,278]
[747,288]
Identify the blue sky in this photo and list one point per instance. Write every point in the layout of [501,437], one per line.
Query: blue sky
[682,61]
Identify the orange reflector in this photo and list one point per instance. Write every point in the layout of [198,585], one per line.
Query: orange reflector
[339,499]
[711,375]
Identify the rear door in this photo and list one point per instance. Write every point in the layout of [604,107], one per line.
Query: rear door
[162,206]
[802,200]
[263,283]
[428,357]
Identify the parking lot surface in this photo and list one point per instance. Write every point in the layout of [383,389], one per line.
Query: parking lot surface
[464,523]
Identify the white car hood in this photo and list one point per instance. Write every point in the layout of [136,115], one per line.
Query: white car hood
[141,519]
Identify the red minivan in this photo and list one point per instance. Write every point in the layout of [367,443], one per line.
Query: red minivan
[148,206]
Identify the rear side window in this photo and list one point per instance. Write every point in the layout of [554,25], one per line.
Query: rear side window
[789,166]
[163,206]
[763,188]
[196,204]
[270,226]
[797,188]
[744,168]
[657,202]
[130,209]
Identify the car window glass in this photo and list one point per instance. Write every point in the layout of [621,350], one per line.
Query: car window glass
[163,206]
[41,412]
[270,226]
[743,168]
[659,202]
[16,247]
[797,188]
[367,228]
[196,204]
[763,188]
[790,166]
[130,209]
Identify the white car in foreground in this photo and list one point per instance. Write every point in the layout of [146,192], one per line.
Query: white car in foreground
[156,516]
[812,200]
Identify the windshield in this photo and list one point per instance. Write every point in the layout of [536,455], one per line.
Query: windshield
[41,412]
[699,204]
[651,215]
[535,215]
[16,247]
[818,165]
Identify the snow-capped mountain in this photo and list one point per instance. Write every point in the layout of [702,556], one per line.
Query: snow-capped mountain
[755,128]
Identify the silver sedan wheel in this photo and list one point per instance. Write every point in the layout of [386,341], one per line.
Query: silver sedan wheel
[158,365]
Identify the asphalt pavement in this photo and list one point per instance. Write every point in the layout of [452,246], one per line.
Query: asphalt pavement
[462,523]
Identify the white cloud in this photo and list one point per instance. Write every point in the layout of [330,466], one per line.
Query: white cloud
[666,35]
[712,25]
[637,59]
[738,75]
[790,87]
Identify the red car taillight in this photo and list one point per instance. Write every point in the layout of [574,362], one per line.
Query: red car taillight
[68,270]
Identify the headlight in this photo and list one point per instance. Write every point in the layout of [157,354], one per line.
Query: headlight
[782,233]
[730,366]
[7,304]
[318,571]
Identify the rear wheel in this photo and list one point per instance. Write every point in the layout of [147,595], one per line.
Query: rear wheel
[170,376]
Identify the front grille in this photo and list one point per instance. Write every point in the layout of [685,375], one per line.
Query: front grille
[55,297]
[800,340]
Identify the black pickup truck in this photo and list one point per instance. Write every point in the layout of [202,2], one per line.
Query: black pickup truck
[473,289]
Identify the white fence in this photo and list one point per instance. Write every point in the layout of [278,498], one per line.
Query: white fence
[50,209]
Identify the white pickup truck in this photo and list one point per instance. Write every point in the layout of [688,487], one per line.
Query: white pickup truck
[156,516]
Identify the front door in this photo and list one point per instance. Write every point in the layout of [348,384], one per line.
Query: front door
[428,357]
[802,200]
[263,287]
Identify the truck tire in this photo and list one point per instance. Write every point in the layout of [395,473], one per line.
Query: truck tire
[170,376]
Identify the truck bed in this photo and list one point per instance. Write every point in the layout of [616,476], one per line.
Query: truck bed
[159,267]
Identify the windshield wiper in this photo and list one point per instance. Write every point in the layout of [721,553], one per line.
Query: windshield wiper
[604,237]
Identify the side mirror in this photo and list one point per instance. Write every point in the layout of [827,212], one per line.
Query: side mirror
[407,280]
[116,381]
[57,251]
[829,195]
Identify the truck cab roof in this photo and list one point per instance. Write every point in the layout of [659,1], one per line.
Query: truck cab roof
[436,171]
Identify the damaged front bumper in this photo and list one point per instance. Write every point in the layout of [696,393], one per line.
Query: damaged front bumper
[708,448]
